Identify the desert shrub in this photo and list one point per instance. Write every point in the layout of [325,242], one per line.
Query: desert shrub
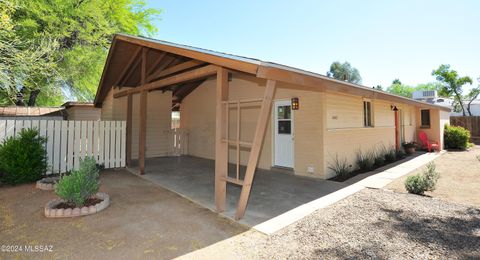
[23,158]
[365,161]
[340,167]
[391,154]
[380,156]
[80,184]
[400,154]
[456,137]
[420,183]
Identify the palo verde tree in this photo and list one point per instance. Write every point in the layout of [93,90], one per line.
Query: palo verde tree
[452,84]
[76,35]
[344,71]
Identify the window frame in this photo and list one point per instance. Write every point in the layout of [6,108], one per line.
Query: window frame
[429,118]
[368,120]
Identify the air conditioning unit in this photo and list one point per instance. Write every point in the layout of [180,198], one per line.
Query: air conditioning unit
[425,95]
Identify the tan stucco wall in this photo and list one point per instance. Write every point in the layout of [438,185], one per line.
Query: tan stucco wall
[158,120]
[346,135]
[198,116]
[84,113]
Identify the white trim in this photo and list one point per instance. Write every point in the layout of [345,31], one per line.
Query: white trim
[292,126]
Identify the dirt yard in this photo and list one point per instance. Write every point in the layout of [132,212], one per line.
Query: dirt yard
[143,221]
[459,177]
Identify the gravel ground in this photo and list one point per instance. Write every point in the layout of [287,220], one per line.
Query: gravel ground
[377,224]
[382,224]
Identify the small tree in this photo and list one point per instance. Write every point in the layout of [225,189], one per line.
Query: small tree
[452,83]
[472,95]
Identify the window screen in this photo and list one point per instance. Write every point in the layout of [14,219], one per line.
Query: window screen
[425,117]
[367,113]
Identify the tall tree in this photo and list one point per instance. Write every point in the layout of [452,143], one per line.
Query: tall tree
[472,95]
[452,83]
[82,31]
[400,89]
[344,71]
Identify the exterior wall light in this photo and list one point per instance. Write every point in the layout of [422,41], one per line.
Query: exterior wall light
[393,108]
[295,103]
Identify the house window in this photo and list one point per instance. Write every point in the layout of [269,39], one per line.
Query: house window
[367,113]
[425,118]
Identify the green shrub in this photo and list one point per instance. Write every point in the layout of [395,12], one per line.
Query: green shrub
[80,184]
[400,154]
[380,156]
[340,167]
[391,154]
[456,137]
[420,183]
[365,161]
[23,158]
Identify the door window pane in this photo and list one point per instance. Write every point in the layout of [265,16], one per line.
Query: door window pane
[283,112]
[284,127]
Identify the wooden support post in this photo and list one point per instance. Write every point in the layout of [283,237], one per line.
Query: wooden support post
[256,148]
[142,136]
[221,148]
[129,130]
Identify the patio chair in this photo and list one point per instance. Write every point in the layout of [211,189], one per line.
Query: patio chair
[428,144]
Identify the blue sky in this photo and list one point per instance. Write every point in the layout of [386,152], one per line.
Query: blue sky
[383,39]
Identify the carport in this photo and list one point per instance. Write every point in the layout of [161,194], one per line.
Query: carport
[273,192]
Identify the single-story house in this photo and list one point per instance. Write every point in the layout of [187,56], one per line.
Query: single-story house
[46,113]
[81,111]
[70,110]
[249,112]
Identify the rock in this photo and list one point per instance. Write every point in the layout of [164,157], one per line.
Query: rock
[47,211]
[67,213]
[92,210]
[84,211]
[75,212]
[59,213]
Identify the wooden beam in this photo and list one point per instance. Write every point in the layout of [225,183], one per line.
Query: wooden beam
[224,61]
[198,73]
[221,148]
[155,64]
[142,136]
[129,130]
[256,147]
[127,67]
[143,72]
[174,69]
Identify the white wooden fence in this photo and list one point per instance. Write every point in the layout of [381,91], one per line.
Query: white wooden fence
[70,141]
[178,141]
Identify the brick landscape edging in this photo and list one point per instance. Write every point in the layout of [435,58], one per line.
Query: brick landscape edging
[43,185]
[51,212]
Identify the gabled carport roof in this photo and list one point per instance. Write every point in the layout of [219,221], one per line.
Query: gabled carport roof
[124,54]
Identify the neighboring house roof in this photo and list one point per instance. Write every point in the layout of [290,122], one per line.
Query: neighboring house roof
[77,104]
[14,111]
[124,52]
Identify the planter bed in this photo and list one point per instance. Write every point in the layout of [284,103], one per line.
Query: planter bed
[59,208]
[47,183]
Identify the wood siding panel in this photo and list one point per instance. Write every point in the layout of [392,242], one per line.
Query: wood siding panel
[158,120]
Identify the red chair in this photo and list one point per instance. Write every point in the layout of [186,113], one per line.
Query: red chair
[429,144]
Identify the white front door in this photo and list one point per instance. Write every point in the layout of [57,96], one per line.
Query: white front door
[283,134]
